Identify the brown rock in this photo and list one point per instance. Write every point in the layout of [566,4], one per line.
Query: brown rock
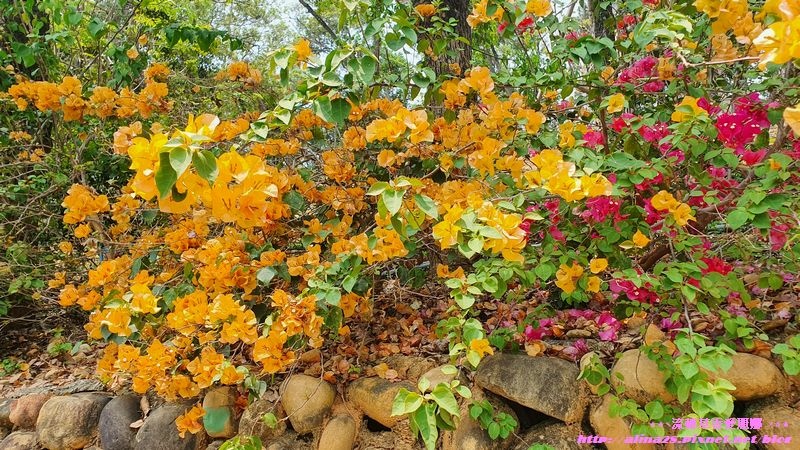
[469,435]
[545,384]
[219,405]
[409,367]
[436,376]
[288,441]
[70,422]
[615,428]
[640,378]
[754,377]
[554,434]
[789,418]
[25,410]
[374,396]
[306,400]
[251,423]
[20,440]
[339,433]
[399,437]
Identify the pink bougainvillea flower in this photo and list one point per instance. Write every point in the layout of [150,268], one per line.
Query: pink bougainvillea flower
[609,326]
[598,209]
[593,138]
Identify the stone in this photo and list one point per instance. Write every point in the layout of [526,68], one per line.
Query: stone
[554,434]
[754,377]
[160,433]
[70,422]
[400,437]
[545,384]
[409,367]
[306,401]
[251,424]
[115,423]
[215,445]
[288,441]
[20,440]
[339,433]
[435,376]
[4,432]
[640,378]
[5,413]
[25,410]
[469,435]
[615,428]
[374,396]
[219,405]
[789,418]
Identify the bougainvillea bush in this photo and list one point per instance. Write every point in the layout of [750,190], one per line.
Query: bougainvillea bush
[648,171]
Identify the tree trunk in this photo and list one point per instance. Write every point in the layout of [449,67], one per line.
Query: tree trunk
[457,52]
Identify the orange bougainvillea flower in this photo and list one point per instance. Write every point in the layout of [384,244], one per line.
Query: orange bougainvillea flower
[190,421]
[540,8]
[481,347]
[616,103]
[640,240]
[598,265]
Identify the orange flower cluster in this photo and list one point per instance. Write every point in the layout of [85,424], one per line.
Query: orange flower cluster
[67,97]
[242,72]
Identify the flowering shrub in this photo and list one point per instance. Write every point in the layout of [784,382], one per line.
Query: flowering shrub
[641,176]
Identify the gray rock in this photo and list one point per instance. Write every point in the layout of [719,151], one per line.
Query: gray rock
[25,410]
[544,384]
[70,422]
[160,433]
[115,420]
[339,433]
[374,396]
[307,400]
[5,413]
[20,440]
[251,424]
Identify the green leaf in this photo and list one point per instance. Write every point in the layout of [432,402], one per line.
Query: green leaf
[737,218]
[333,111]
[444,397]
[266,274]
[269,420]
[406,402]
[427,205]
[165,176]
[424,421]
[378,188]
[393,200]
[179,159]
[205,163]
[97,28]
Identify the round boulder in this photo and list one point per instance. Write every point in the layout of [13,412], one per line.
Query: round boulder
[25,410]
[306,400]
[159,431]
[115,423]
[70,422]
